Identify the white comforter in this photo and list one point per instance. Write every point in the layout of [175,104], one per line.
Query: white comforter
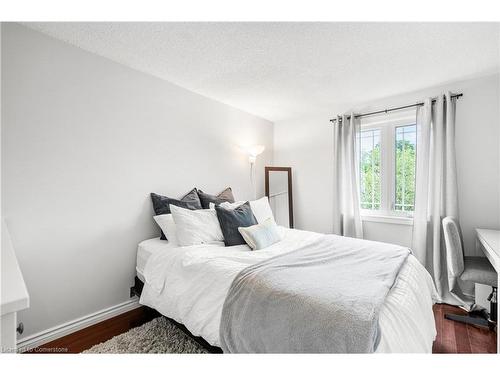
[189,285]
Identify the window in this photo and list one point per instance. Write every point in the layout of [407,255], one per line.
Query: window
[369,170]
[406,152]
[387,151]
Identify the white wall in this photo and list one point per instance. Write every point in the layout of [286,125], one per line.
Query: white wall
[84,142]
[306,145]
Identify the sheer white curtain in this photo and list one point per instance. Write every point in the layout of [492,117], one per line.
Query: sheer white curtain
[436,194]
[346,215]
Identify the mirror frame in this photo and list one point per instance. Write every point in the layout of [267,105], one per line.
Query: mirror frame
[290,197]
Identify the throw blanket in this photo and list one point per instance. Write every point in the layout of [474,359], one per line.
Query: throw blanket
[324,297]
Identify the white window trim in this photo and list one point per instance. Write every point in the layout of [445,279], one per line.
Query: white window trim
[387,127]
[392,219]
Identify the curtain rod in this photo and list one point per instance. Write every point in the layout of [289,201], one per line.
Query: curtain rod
[395,108]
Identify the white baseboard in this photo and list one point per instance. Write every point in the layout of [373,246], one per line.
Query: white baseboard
[64,329]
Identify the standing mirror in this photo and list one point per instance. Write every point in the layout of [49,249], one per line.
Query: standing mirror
[278,182]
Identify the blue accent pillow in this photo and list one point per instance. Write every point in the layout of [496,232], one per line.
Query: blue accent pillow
[261,235]
[231,219]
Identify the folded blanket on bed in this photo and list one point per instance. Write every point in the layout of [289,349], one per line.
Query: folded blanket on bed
[324,297]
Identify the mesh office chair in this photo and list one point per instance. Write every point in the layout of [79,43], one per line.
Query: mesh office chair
[474,269]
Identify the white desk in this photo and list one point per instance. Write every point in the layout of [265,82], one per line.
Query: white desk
[489,240]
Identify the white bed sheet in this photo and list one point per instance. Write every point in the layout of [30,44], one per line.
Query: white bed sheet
[189,285]
[147,248]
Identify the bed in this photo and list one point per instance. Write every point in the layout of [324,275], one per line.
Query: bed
[190,284]
[144,251]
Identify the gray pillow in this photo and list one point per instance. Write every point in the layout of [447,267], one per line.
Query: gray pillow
[231,219]
[224,196]
[161,204]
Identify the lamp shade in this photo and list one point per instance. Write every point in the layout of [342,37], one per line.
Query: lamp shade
[255,150]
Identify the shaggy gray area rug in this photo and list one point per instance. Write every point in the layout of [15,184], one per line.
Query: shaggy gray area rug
[157,336]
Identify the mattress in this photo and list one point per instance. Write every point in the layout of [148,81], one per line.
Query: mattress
[144,251]
[198,278]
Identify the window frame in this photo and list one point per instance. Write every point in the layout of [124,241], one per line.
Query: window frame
[387,127]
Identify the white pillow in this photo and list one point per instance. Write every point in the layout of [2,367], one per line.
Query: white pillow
[260,236]
[167,225]
[195,227]
[260,208]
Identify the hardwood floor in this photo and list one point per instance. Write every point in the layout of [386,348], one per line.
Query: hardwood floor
[452,337]
[455,337]
[84,339]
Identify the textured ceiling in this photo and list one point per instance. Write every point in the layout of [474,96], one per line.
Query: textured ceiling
[284,70]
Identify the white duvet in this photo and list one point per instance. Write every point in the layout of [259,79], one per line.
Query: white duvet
[189,285]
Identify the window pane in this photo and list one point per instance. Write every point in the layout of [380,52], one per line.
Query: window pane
[406,148]
[369,168]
